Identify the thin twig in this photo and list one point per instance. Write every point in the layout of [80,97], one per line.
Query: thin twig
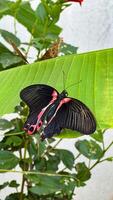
[12,134]
[31,37]
[23,177]
[49,150]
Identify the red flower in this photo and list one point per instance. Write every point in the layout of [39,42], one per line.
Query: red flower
[77,1]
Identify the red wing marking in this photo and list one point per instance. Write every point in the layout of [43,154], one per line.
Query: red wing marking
[39,125]
[32,128]
[55,96]
[39,122]
[65,100]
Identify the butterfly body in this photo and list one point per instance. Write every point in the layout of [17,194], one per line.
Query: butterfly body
[50,112]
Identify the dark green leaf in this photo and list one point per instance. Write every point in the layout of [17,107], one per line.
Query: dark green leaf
[36,149]
[14,141]
[41,146]
[55,11]
[22,109]
[8,160]
[40,164]
[2,145]
[5,7]
[24,163]
[26,16]
[18,124]
[67,157]
[68,188]
[80,183]
[13,184]
[8,59]
[32,148]
[38,44]
[67,49]
[10,37]
[52,163]
[41,13]
[14,196]
[4,185]
[45,184]
[90,149]
[98,135]
[83,173]
[3,49]
[5,125]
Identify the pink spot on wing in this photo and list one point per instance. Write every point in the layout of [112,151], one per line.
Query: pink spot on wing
[65,100]
[54,95]
[39,125]
[31,129]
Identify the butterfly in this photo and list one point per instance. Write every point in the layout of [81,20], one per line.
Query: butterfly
[51,112]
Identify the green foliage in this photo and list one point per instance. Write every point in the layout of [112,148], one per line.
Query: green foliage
[5,125]
[14,196]
[41,23]
[8,160]
[98,135]
[83,173]
[90,149]
[66,157]
[40,161]
[10,37]
[45,185]
[68,49]
[14,141]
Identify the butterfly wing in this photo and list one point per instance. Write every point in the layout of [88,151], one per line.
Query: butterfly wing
[72,115]
[36,97]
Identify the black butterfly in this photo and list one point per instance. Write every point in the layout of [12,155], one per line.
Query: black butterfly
[50,112]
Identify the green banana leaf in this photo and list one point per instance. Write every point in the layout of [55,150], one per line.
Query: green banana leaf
[87,77]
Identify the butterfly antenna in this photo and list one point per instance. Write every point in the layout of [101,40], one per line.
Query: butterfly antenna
[71,85]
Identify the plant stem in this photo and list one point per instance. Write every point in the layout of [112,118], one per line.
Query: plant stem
[29,46]
[108,146]
[22,188]
[49,150]
[39,173]
[12,134]
[31,37]
[23,177]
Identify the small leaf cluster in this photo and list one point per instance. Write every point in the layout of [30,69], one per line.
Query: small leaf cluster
[40,23]
[48,172]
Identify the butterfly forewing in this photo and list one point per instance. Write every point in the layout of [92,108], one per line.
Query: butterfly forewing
[78,117]
[74,115]
[36,97]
